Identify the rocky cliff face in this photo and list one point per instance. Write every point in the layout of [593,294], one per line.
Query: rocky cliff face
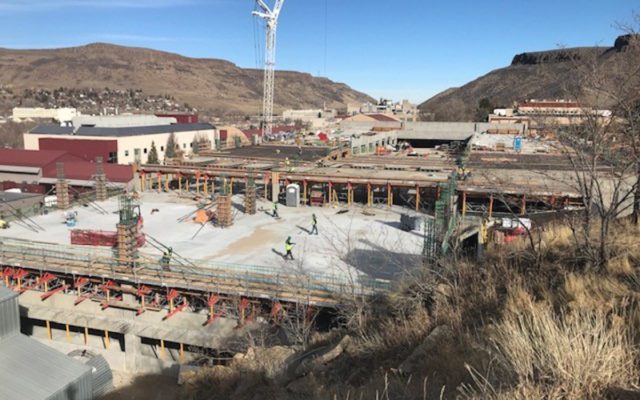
[556,56]
[544,74]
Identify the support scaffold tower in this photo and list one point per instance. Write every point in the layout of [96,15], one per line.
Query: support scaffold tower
[100,181]
[62,188]
[250,196]
[223,212]
[127,230]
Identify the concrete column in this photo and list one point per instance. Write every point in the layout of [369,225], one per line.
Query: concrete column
[133,347]
[491,205]
[136,178]
[275,186]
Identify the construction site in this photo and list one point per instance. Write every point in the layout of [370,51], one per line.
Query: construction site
[181,260]
[193,250]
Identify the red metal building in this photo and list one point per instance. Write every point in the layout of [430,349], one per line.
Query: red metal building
[86,149]
[35,170]
[181,118]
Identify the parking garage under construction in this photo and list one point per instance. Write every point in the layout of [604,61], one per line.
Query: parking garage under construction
[192,251]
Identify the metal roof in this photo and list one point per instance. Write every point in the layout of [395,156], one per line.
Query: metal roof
[415,134]
[11,196]
[119,132]
[33,158]
[9,319]
[50,129]
[86,171]
[6,294]
[32,370]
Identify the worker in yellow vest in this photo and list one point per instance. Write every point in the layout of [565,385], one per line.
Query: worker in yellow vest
[288,247]
[314,224]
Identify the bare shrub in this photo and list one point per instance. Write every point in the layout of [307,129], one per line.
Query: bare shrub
[567,355]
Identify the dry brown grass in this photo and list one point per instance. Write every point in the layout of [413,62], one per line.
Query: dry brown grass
[561,355]
[520,330]
[589,291]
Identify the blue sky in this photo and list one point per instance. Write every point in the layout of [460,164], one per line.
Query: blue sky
[396,49]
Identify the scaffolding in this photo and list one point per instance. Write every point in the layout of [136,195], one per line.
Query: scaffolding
[250,196]
[430,244]
[62,188]
[223,213]
[127,230]
[445,216]
[100,181]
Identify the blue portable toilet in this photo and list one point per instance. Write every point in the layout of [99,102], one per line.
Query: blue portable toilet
[517,144]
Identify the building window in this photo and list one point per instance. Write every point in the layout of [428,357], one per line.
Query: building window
[126,153]
[161,148]
[191,145]
[113,157]
[145,150]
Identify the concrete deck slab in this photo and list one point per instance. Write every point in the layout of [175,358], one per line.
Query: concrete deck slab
[185,327]
[348,245]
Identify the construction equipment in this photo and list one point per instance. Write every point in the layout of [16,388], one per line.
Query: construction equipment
[271,20]
[87,237]
[71,218]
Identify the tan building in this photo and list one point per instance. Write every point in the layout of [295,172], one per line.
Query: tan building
[230,137]
[117,142]
[508,120]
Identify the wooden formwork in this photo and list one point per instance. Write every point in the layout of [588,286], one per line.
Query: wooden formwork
[100,181]
[62,194]
[250,200]
[62,188]
[127,243]
[224,216]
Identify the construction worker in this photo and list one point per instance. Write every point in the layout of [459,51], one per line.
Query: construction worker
[288,247]
[314,224]
[275,210]
[166,258]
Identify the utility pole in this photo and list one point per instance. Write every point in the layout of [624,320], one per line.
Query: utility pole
[270,15]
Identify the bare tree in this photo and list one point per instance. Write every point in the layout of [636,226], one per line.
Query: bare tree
[602,146]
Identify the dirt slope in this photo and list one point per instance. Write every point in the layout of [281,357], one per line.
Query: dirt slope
[208,84]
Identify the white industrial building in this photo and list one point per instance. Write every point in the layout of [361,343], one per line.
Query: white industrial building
[62,115]
[121,139]
[316,118]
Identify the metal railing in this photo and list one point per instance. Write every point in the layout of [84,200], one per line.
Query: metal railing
[211,276]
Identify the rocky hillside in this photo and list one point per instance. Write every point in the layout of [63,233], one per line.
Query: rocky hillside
[542,75]
[212,85]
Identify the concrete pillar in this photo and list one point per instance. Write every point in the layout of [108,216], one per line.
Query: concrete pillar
[133,348]
[464,204]
[490,205]
[275,186]
[136,178]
